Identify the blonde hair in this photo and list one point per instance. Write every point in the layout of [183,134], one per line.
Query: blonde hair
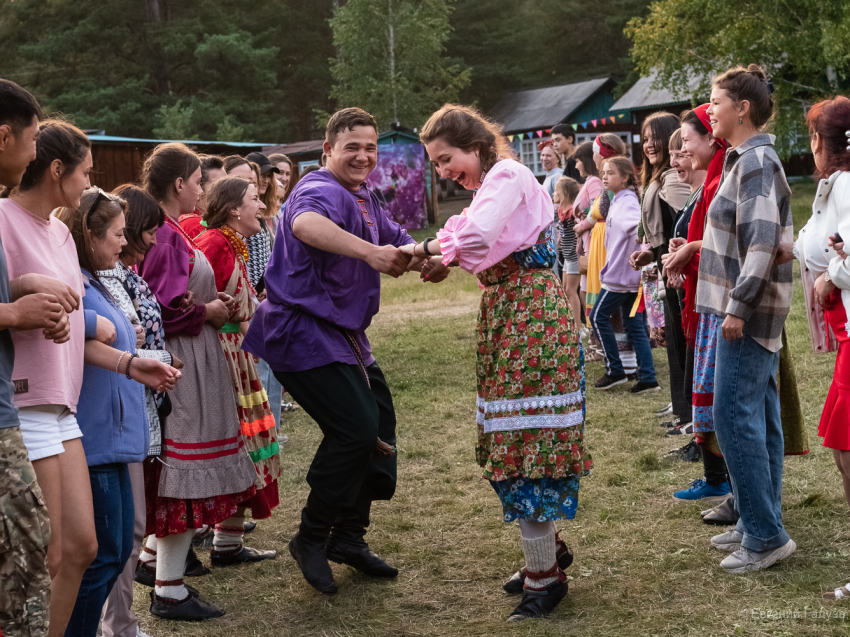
[568,188]
[675,142]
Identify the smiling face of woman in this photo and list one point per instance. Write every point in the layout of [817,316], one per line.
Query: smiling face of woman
[285,173]
[548,159]
[649,149]
[456,164]
[106,250]
[681,165]
[723,113]
[246,218]
[696,148]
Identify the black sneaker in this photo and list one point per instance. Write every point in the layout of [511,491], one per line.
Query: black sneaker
[691,452]
[669,424]
[632,376]
[642,387]
[607,382]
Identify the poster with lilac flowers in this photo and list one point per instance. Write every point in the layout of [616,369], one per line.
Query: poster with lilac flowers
[399,179]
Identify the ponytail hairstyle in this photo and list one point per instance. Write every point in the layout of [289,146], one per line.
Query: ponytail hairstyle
[57,140]
[661,125]
[830,119]
[749,84]
[466,128]
[96,213]
[142,214]
[165,165]
[626,168]
[233,161]
[223,196]
[584,154]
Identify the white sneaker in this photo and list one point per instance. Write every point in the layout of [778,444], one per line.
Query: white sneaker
[139,632]
[745,561]
[729,541]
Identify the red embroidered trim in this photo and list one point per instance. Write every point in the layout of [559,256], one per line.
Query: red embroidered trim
[200,445]
[241,250]
[204,456]
[230,529]
[170,582]
[542,574]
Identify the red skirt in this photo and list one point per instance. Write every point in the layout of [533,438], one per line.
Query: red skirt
[174,516]
[834,425]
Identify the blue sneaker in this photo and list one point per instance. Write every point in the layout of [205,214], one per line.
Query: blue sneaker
[700,490]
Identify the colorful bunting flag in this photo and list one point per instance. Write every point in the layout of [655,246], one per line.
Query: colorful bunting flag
[584,125]
[548,130]
[622,115]
[510,138]
[575,126]
[594,122]
[540,133]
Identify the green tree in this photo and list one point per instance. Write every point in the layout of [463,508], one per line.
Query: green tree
[391,60]
[201,68]
[803,44]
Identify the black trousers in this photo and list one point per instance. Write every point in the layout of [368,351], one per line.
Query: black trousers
[676,362]
[347,470]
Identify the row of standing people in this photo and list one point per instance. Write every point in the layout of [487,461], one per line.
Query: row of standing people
[108,303]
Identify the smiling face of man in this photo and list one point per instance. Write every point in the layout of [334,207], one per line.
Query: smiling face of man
[353,155]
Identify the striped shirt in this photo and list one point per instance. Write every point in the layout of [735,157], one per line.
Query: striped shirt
[749,217]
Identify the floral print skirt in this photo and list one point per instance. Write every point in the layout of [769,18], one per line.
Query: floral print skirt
[705,350]
[543,500]
[531,407]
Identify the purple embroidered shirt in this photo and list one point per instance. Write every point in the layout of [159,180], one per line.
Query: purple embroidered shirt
[314,295]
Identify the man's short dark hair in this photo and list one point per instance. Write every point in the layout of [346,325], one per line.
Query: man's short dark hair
[345,120]
[564,129]
[18,107]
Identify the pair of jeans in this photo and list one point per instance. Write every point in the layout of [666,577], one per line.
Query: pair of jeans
[274,390]
[114,515]
[606,304]
[749,432]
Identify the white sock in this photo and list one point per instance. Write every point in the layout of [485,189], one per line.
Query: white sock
[228,534]
[170,562]
[203,529]
[148,553]
[539,556]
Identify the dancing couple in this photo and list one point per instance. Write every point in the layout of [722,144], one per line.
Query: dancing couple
[323,285]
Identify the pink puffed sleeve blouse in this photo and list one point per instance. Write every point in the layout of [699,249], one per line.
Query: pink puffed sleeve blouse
[507,214]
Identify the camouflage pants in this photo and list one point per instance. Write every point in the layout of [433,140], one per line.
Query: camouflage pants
[24,534]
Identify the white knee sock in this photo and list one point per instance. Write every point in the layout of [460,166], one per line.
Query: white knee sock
[538,544]
[148,553]
[170,562]
[228,534]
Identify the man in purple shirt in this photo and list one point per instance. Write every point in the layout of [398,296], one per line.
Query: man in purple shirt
[323,285]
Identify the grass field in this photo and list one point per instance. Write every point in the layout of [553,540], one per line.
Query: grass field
[643,563]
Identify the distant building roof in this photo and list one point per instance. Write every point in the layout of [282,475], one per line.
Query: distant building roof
[543,107]
[197,142]
[296,148]
[642,95]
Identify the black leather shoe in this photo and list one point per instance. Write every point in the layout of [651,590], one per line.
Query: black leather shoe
[359,557]
[536,604]
[191,609]
[248,526]
[194,567]
[311,559]
[244,555]
[204,539]
[515,584]
[145,575]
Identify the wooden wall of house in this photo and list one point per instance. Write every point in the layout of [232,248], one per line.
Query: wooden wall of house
[117,163]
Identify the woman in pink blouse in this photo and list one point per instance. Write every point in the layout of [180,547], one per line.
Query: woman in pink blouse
[529,360]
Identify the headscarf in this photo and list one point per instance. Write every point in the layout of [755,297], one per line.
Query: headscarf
[600,147]
[696,229]
[544,144]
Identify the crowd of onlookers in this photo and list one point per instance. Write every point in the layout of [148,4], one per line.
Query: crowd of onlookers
[121,311]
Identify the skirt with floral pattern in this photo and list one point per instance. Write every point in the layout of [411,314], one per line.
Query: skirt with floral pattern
[530,370]
[542,500]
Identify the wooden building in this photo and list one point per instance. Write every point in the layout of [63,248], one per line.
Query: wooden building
[119,160]
[527,117]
